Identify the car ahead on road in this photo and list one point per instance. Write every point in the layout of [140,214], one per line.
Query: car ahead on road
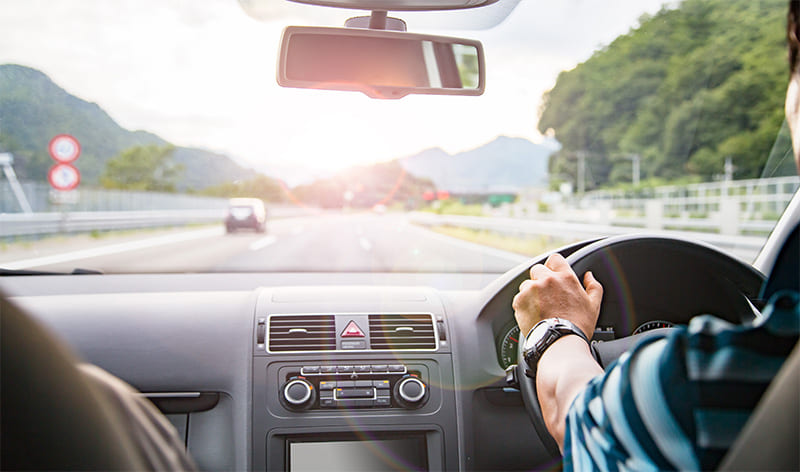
[246,213]
[355,340]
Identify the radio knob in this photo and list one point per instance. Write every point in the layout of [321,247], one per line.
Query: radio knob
[298,393]
[411,392]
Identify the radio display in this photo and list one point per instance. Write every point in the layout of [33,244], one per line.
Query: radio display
[371,455]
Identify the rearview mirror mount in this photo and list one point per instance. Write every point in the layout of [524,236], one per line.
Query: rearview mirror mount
[380,63]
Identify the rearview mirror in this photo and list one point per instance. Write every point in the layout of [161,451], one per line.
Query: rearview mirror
[379,63]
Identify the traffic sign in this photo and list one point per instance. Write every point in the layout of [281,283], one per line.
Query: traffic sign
[64,177]
[64,148]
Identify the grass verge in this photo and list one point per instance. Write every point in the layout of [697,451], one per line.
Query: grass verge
[526,246]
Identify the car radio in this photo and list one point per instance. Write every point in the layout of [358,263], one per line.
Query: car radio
[315,387]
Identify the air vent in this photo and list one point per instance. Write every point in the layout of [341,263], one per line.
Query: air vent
[401,332]
[302,333]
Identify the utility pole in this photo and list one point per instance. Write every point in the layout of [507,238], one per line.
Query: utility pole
[581,172]
[636,163]
[729,168]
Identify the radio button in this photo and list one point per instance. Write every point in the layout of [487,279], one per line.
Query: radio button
[382,368]
[381,384]
[361,369]
[383,401]
[397,368]
[355,393]
[298,393]
[327,385]
[344,369]
[345,384]
[310,369]
[411,392]
[327,369]
[363,383]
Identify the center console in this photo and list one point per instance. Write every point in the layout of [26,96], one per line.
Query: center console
[348,387]
[353,390]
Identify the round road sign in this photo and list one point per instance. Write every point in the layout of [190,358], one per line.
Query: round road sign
[64,177]
[64,148]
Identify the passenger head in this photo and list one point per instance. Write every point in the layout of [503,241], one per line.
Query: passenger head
[793,92]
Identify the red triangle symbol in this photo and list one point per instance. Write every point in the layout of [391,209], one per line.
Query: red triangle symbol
[352,331]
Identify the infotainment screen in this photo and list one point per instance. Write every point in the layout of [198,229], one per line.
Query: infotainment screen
[372,455]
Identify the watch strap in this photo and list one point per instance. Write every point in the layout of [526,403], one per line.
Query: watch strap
[557,329]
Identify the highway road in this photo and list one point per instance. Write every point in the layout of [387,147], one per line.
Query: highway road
[329,242]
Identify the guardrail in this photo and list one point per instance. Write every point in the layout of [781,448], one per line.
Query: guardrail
[21,224]
[29,224]
[746,247]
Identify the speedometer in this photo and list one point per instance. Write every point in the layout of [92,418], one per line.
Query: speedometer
[653,325]
[507,348]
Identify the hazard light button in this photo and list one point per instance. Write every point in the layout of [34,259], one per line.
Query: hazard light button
[352,331]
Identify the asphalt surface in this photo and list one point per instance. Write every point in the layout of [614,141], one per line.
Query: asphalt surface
[328,242]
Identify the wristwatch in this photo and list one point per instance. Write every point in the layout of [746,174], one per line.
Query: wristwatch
[543,335]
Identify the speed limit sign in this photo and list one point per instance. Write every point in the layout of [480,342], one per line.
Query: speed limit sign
[64,148]
[64,177]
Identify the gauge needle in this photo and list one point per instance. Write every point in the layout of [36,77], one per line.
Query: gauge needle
[512,338]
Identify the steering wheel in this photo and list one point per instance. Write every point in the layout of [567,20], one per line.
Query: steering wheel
[648,278]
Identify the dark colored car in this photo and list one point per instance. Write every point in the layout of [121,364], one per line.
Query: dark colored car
[246,213]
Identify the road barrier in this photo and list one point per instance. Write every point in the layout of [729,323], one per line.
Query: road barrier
[28,224]
[746,247]
[25,224]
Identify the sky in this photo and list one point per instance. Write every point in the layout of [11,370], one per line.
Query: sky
[202,74]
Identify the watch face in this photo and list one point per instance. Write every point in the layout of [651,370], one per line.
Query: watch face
[535,335]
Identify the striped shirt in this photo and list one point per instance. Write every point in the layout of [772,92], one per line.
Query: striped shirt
[678,402]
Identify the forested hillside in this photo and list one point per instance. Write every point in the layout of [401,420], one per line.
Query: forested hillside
[33,109]
[686,89]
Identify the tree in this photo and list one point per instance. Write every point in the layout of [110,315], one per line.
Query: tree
[684,90]
[148,168]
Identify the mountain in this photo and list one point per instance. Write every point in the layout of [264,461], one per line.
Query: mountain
[33,109]
[505,164]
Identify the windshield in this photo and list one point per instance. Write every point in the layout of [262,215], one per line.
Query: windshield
[127,128]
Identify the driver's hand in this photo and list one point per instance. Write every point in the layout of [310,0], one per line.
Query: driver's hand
[555,291]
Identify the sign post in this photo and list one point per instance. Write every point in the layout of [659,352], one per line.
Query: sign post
[63,176]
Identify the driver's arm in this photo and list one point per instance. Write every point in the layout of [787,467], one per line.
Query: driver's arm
[567,366]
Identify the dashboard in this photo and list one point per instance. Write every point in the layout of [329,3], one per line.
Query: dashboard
[213,361]
[369,372]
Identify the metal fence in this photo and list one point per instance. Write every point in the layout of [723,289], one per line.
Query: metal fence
[740,207]
[752,200]
[44,199]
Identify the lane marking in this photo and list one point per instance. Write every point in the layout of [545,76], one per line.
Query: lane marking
[113,249]
[365,244]
[262,243]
